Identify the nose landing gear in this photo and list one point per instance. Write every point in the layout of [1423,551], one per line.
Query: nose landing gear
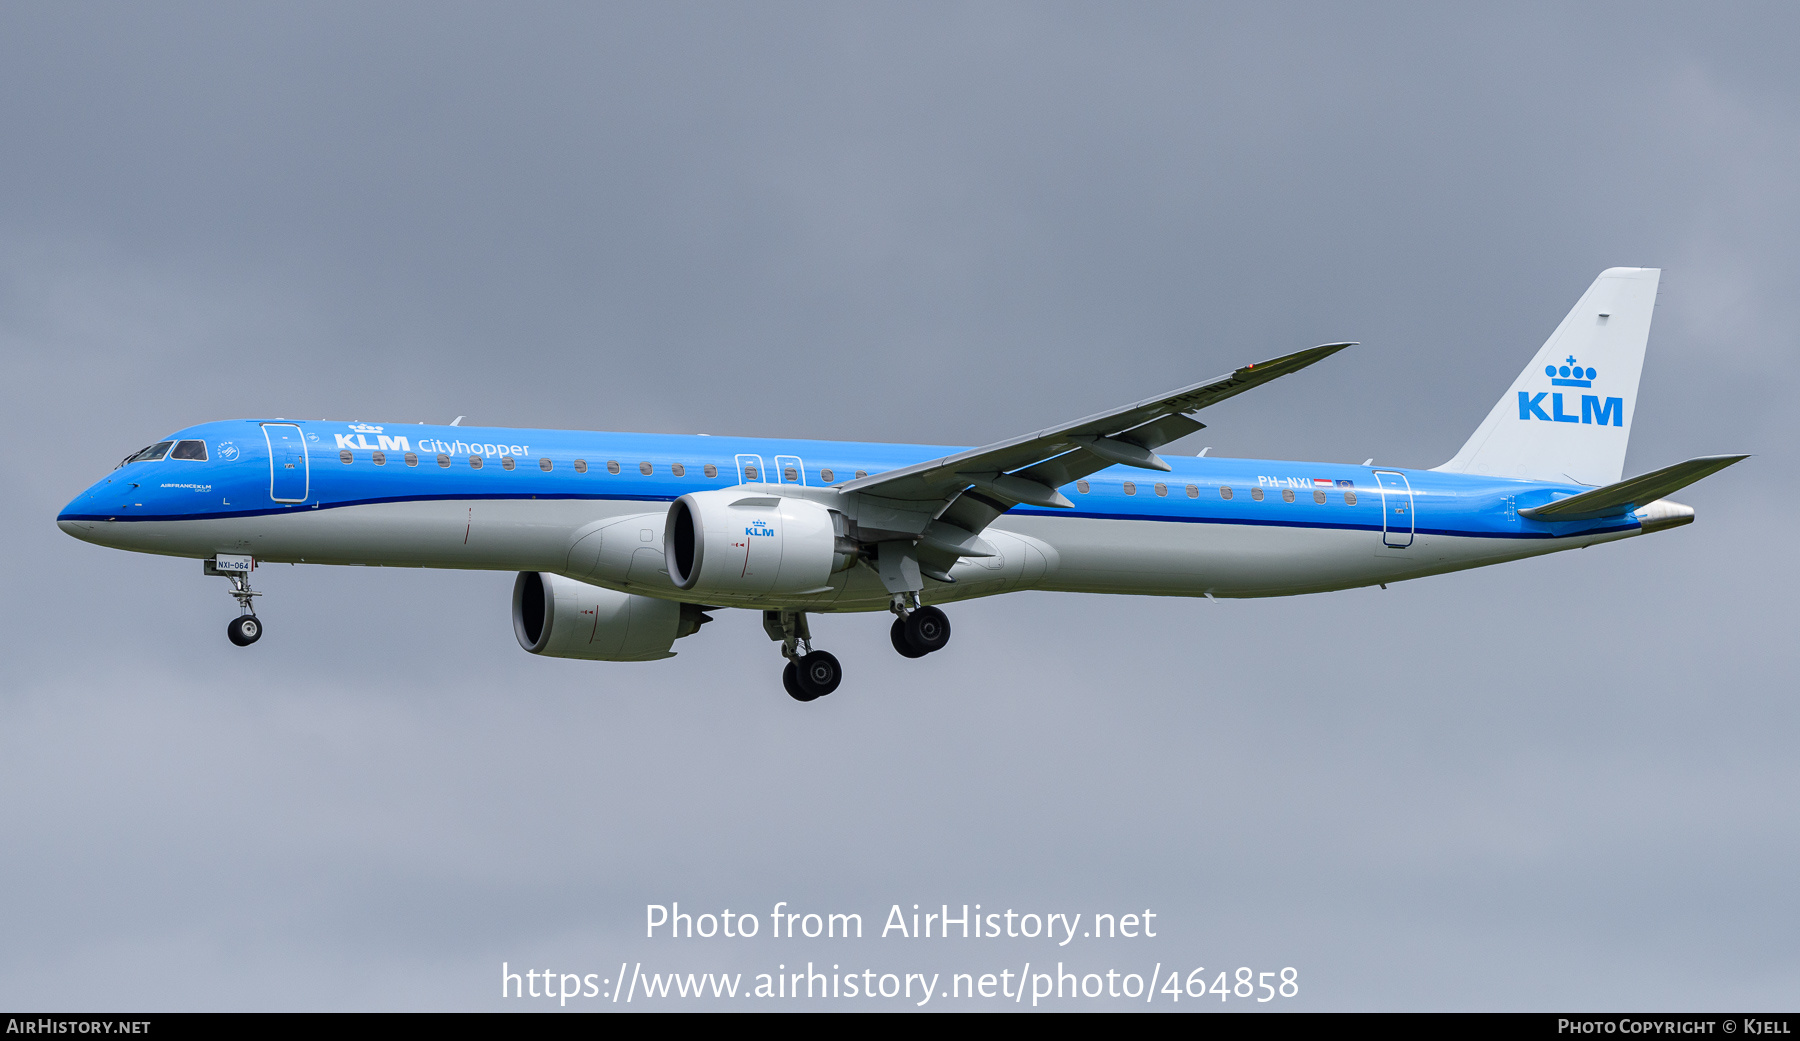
[810,674]
[246,628]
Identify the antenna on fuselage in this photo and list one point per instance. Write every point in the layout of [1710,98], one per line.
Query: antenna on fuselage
[458,421]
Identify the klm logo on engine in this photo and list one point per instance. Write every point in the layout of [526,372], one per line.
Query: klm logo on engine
[760,528]
[1594,411]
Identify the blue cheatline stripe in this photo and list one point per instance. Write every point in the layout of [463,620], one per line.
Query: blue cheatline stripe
[1032,512]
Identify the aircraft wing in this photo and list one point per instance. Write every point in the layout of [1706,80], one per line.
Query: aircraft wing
[1630,494]
[959,495]
[1007,470]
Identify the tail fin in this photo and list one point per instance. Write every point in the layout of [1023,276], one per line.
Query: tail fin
[1568,415]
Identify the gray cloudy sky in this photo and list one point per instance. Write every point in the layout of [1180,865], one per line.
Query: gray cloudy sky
[1565,783]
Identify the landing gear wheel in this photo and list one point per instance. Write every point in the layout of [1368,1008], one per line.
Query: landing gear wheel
[244,630]
[818,674]
[927,630]
[790,678]
[898,634]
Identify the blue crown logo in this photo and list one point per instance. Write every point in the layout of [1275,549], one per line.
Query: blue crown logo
[1570,374]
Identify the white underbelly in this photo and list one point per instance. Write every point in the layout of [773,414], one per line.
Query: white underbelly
[1074,554]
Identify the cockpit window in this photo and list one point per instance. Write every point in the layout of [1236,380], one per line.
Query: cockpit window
[148,455]
[195,450]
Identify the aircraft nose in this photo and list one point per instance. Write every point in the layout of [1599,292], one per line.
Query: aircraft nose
[80,517]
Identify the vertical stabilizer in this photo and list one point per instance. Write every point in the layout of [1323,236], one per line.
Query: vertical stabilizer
[1568,415]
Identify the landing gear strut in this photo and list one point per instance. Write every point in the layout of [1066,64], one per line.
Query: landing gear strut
[917,631]
[246,628]
[810,674]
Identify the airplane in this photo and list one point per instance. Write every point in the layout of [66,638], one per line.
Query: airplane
[625,543]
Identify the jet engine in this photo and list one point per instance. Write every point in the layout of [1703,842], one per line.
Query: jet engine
[739,542]
[562,618]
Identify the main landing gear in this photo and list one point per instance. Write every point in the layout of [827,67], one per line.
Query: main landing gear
[246,628]
[917,631]
[810,674]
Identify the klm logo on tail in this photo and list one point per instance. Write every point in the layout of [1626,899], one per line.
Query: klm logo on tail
[1569,374]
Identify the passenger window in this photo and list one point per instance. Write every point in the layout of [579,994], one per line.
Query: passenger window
[1130,488]
[411,459]
[612,466]
[825,475]
[507,462]
[1224,491]
[444,461]
[1082,487]
[1161,488]
[344,456]
[1257,494]
[1193,491]
[378,458]
[581,466]
[1349,498]
[678,470]
[860,474]
[1319,497]
[788,474]
[1287,495]
[645,468]
[191,450]
[710,470]
[749,472]
[544,465]
[474,462]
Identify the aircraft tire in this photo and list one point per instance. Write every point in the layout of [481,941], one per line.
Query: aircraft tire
[898,635]
[244,630]
[790,678]
[819,674]
[927,630]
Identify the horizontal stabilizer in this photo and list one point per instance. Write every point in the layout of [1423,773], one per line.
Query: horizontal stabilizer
[1626,495]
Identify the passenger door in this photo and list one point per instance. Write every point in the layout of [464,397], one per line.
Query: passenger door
[1396,509]
[289,472]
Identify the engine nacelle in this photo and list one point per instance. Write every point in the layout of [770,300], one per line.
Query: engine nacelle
[562,618]
[737,541]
